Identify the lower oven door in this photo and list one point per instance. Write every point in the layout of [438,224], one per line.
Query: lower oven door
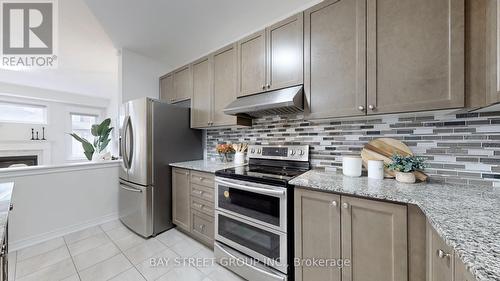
[244,267]
[259,203]
[259,242]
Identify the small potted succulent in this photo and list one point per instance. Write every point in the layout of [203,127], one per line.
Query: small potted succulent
[404,166]
[223,150]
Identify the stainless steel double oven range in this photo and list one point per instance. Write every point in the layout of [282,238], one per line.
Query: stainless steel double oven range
[254,213]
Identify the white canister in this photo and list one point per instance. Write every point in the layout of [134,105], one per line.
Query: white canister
[351,166]
[376,169]
[239,158]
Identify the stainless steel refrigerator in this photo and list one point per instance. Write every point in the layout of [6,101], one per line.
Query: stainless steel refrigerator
[153,135]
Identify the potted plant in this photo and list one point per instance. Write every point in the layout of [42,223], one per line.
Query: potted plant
[224,150]
[404,166]
[95,151]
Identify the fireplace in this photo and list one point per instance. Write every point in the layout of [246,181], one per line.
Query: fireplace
[26,160]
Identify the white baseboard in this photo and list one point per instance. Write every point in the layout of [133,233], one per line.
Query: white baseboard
[26,242]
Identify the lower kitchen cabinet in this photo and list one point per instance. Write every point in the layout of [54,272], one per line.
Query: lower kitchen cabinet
[370,235]
[461,272]
[180,199]
[440,258]
[193,204]
[317,233]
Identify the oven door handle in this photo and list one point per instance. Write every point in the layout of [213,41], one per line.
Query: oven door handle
[252,189]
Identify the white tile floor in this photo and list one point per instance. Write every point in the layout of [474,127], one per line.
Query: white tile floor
[113,252]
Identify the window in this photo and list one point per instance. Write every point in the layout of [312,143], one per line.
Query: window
[81,125]
[22,113]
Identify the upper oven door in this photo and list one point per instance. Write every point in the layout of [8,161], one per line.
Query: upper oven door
[259,203]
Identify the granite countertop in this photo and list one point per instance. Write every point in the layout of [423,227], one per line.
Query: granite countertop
[205,165]
[466,217]
[5,196]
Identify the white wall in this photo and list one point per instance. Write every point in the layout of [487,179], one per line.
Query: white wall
[139,76]
[52,202]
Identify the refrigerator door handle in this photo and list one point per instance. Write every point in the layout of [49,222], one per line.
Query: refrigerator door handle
[131,156]
[124,142]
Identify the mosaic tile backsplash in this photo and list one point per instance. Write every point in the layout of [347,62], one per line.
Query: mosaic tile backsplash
[460,148]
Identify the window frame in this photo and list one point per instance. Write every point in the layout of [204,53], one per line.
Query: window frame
[81,112]
[45,108]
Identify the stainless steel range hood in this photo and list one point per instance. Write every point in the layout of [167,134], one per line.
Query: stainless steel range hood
[283,101]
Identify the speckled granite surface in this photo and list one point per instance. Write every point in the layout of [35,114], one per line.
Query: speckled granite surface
[204,165]
[466,217]
[5,196]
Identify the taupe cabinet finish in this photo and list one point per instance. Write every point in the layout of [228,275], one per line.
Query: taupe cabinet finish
[176,86]
[374,238]
[371,57]
[415,55]
[201,107]
[461,272]
[493,51]
[334,58]
[371,234]
[271,58]
[181,214]
[440,257]
[167,92]
[193,203]
[317,233]
[214,87]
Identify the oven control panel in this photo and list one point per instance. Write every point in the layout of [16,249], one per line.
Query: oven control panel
[279,152]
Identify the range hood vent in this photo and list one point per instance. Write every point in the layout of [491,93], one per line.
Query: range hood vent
[278,102]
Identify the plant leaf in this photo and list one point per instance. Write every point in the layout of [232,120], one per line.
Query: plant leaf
[103,127]
[94,130]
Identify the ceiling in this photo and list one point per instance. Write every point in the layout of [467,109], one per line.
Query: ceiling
[178,31]
[87,58]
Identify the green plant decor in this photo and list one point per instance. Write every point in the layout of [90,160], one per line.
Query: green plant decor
[101,138]
[406,164]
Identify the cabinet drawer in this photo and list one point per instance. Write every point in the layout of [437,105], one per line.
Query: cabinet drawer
[202,192]
[202,206]
[204,179]
[202,227]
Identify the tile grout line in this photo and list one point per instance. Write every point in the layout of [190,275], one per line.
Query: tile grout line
[39,269]
[123,253]
[72,260]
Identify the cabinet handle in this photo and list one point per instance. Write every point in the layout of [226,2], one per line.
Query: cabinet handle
[334,204]
[199,206]
[345,205]
[268,86]
[361,108]
[202,227]
[11,206]
[442,254]
[199,192]
[200,178]
[263,87]
[371,107]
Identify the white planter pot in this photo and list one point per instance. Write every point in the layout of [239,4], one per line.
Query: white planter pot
[405,177]
[103,156]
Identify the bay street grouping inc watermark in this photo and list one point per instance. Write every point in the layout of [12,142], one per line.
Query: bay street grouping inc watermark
[29,34]
[242,262]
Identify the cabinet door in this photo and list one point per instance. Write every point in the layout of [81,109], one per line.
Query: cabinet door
[181,214]
[252,64]
[225,80]
[374,239]
[201,108]
[182,84]
[285,41]
[461,272]
[317,233]
[334,60]
[167,92]
[415,55]
[493,50]
[439,257]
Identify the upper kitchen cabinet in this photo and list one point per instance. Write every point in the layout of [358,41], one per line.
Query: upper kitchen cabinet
[182,83]
[415,55]
[224,84]
[494,51]
[271,58]
[285,41]
[334,80]
[201,109]
[176,86]
[167,92]
[252,64]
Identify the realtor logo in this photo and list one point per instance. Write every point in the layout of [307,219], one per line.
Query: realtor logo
[28,34]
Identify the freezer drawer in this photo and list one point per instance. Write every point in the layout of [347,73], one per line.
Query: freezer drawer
[135,207]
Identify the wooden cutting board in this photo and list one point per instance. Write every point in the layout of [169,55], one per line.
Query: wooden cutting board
[383,149]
